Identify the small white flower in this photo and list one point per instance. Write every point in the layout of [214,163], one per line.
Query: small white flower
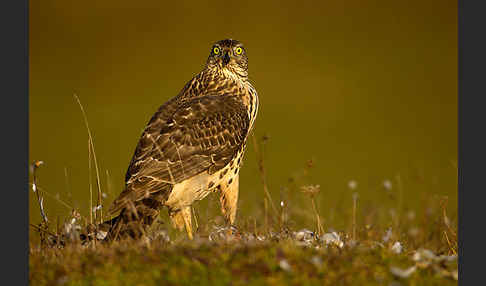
[316,260]
[402,273]
[97,208]
[397,247]
[285,265]
[455,274]
[352,184]
[311,189]
[282,204]
[387,235]
[387,184]
[424,254]
[411,215]
[413,231]
[332,238]
[304,234]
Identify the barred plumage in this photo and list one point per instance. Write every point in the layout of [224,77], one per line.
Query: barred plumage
[191,146]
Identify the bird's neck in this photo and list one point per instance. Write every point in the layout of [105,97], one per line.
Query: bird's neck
[210,82]
[214,82]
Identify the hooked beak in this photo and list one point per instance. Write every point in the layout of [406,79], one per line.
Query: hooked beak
[226,58]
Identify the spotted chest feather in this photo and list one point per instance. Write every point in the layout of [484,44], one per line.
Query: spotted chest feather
[201,185]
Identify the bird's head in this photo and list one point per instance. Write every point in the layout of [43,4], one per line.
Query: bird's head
[229,57]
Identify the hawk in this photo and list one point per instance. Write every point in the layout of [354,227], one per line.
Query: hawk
[192,146]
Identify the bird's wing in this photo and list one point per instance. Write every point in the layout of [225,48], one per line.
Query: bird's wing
[201,135]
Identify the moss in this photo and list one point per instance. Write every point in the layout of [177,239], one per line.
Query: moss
[223,264]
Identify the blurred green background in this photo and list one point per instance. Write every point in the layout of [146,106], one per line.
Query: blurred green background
[366,89]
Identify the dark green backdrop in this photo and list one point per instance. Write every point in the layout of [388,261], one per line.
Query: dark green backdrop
[367,89]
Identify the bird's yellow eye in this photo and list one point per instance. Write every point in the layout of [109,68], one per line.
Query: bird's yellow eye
[238,50]
[216,50]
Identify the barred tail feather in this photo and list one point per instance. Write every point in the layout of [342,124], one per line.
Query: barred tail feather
[133,220]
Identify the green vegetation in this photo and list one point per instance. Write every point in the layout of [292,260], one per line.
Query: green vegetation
[235,261]
[384,243]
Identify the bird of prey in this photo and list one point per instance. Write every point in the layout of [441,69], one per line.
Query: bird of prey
[192,146]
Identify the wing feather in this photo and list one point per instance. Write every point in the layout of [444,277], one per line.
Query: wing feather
[182,140]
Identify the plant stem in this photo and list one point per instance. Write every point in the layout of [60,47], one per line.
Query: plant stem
[94,156]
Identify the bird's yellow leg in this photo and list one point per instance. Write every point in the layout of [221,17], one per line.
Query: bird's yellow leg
[187,216]
[229,200]
[177,220]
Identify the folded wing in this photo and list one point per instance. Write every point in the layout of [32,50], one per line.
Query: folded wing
[182,140]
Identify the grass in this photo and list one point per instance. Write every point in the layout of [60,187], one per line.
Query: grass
[276,259]
[91,152]
[224,263]
[273,253]
[381,245]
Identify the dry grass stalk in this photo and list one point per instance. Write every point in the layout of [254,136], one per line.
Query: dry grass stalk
[58,227]
[90,187]
[40,229]
[282,215]
[94,157]
[194,213]
[68,188]
[452,245]
[312,191]
[255,227]
[36,190]
[54,197]
[261,168]
[320,229]
[355,206]
[46,236]
[109,186]
[265,203]
[400,200]
[452,242]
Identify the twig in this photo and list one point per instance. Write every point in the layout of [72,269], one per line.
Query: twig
[94,156]
[40,199]
[42,229]
[54,197]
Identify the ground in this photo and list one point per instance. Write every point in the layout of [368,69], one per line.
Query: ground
[402,233]
[420,255]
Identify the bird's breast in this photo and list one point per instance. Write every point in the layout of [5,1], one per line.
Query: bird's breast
[252,103]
